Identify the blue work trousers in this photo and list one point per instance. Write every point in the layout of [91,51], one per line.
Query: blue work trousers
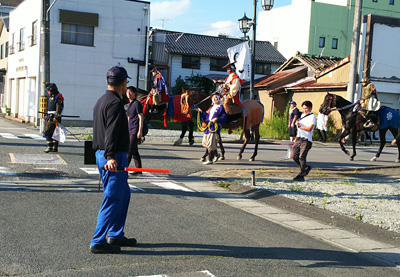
[114,208]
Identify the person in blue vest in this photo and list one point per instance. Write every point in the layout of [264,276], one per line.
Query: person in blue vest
[55,106]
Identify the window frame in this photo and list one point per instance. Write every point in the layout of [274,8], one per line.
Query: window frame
[75,35]
[323,40]
[262,68]
[216,64]
[391,2]
[21,42]
[337,43]
[192,62]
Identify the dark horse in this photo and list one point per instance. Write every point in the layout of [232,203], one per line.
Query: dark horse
[353,123]
[251,117]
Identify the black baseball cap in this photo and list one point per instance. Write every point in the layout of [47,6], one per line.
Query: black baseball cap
[117,73]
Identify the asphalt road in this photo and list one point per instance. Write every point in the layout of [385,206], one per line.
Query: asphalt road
[49,209]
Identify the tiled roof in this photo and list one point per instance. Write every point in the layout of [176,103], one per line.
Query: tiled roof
[216,47]
[315,63]
[270,80]
[11,3]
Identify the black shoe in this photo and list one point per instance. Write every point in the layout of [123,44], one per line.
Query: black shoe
[105,249]
[122,242]
[308,169]
[191,142]
[299,178]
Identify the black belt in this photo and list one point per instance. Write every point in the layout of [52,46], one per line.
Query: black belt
[302,139]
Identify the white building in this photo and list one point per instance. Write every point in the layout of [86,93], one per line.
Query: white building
[87,37]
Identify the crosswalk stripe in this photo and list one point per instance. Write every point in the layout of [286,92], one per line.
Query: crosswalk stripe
[170,185]
[35,136]
[90,170]
[197,273]
[9,136]
[30,136]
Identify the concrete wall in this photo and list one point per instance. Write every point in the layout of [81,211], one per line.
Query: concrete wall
[24,65]
[79,71]
[288,26]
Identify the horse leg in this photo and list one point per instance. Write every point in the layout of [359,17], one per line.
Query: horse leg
[256,132]
[221,147]
[343,135]
[394,133]
[246,140]
[180,139]
[382,138]
[353,143]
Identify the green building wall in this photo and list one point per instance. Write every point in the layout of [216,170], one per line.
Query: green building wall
[336,22]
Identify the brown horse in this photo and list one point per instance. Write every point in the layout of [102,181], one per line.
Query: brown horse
[250,118]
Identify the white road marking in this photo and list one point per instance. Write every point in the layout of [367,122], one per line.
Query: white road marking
[206,272]
[135,188]
[90,170]
[35,136]
[170,185]
[9,136]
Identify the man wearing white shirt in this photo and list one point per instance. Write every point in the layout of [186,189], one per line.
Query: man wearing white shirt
[303,143]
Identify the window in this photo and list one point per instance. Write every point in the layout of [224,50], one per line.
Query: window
[263,68]
[77,34]
[21,39]
[217,64]
[6,50]
[78,27]
[12,44]
[375,1]
[33,37]
[391,2]
[2,51]
[321,42]
[191,62]
[335,42]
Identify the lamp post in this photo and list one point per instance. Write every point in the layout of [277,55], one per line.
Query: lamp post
[244,26]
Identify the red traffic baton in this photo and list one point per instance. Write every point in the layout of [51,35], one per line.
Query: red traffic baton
[153,170]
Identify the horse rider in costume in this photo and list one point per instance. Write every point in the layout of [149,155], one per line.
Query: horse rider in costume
[159,91]
[55,105]
[368,105]
[232,87]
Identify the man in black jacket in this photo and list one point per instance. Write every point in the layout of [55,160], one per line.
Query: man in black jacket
[111,142]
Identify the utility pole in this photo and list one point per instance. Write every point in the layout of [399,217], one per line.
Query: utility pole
[354,51]
[253,52]
[45,62]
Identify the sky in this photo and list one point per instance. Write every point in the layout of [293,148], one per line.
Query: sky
[206,17]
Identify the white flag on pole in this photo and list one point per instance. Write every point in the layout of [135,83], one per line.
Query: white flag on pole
[241,55]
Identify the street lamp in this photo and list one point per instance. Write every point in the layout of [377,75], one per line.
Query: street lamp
[243,22]
[244,25]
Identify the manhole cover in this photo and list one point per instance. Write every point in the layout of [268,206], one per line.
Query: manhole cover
[36,159]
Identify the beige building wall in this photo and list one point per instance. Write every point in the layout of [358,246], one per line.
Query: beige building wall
[339,75]
[266,100]
[316,99]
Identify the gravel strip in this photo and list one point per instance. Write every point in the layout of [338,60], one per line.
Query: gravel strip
[375,203]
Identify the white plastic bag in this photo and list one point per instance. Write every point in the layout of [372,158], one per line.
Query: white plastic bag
[60,133]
